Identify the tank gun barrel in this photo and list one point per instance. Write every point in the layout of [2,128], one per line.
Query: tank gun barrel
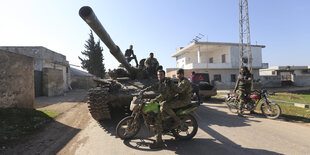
[87,14]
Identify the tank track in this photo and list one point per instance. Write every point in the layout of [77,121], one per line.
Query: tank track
[98,103]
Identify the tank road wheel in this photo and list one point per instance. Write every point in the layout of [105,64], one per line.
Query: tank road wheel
[97,105]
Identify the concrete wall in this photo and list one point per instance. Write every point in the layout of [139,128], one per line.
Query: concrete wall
[82,82]
[256,55]
[52,82]
[16,80]
[302,80]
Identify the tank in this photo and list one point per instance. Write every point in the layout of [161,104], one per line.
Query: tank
[113,95]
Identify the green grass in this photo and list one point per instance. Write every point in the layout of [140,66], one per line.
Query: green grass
[291,112]
[51,114]
[298,96]
[16,123]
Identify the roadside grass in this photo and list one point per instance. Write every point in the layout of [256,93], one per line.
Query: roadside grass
[298,96]
[16,123]
[291,112]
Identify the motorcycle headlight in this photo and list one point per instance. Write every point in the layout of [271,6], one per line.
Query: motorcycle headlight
[134,103]
[133,106]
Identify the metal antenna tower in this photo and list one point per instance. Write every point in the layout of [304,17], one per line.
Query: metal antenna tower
[244,37]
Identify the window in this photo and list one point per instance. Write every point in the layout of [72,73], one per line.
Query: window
[233,78]
[223,58]
[210,60]
[217,77]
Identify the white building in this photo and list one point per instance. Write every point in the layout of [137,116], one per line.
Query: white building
[219,60]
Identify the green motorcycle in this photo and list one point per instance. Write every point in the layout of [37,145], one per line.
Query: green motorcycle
[141,108]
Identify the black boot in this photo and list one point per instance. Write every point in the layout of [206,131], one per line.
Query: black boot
[157,144]
[252,112]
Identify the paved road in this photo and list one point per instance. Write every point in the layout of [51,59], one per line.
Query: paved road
[220,132]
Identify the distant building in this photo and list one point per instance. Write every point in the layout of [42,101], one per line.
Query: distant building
[285,75]
[220,60]
[51,69]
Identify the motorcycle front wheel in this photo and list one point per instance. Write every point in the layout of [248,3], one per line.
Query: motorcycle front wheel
[127,128]
[271,109]
[232,105]
[188,128]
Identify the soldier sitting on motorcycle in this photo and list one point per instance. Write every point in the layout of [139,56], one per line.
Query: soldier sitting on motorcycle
[171,97]
[165,86]
[244,86]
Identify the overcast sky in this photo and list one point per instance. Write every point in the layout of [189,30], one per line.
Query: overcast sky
[160,26]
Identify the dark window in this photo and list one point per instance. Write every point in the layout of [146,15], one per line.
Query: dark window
[210,60]
[217,77]
[223,58]
[233,78]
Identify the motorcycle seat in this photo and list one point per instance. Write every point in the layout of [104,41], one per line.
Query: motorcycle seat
[187,106]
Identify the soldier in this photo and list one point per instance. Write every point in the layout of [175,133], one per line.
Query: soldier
[182,98]
[165,88]
[244,86]
[151,64]
[129,55]
[195,85]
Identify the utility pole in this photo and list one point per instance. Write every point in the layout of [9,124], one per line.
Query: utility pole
[244,37]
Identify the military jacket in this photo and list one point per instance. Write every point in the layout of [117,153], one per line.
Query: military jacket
[128,53]
[165,88]
[184,89]
[151,62]
[244,81]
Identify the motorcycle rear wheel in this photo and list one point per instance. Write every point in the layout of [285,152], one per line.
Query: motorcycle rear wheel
[127,128]
[188,128]
[272,110]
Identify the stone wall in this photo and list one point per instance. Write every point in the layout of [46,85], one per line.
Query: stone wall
[16,80]
[52,82]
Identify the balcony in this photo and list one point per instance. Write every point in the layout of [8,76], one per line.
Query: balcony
[207,65]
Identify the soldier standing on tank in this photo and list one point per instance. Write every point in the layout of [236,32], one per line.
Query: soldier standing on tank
[129,55]
[151,65]
[165,87]
[244,86]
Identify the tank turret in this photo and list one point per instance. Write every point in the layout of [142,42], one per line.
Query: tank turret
[113,96]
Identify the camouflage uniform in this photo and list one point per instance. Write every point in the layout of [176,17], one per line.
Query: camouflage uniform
[244,87]
[166,90]
[182,99]
[151,65]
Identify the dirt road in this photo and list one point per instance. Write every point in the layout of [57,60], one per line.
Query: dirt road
[220,132]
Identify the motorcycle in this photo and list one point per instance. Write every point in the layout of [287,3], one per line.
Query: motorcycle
[270,109]
[129,126]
